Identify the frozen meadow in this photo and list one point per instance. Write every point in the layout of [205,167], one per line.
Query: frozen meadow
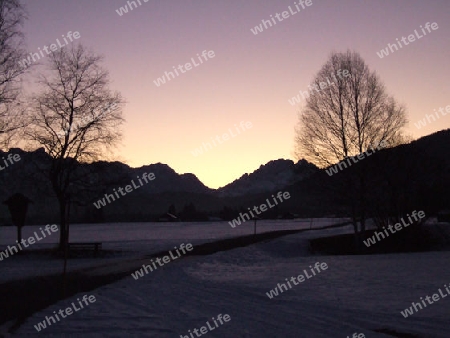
[363,294]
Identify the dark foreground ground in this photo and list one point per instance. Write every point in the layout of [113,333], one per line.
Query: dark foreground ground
[22,298]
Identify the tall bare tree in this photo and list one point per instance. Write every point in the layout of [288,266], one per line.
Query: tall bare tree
[76,118]
[345,117]
[12,17]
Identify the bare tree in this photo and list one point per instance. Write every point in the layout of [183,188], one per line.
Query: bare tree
[346,117]
[76,118]
[12,17]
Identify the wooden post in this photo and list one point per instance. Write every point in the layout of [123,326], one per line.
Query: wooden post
[66,248]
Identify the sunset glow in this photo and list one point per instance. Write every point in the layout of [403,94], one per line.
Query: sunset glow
[236,76]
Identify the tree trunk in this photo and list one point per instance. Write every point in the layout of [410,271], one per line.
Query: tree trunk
[62,227]
[355,225]
[19,233]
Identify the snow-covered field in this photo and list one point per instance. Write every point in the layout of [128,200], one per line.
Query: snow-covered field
[356,294]
[129,240]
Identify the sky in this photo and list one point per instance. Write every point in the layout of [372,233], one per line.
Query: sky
[246,80]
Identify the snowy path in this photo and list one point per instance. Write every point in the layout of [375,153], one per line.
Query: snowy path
[355,294]
[127,240]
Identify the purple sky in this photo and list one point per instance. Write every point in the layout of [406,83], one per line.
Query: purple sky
[251,76]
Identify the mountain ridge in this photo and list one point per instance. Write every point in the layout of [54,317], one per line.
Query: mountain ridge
[303,180]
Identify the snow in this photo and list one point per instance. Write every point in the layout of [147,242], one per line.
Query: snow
[127,240]
[355,294]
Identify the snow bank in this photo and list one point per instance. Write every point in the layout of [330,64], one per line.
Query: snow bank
[355,294]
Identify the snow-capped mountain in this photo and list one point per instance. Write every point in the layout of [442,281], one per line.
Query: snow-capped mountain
[269,177]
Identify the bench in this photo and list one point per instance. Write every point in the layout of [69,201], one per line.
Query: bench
[86,246]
